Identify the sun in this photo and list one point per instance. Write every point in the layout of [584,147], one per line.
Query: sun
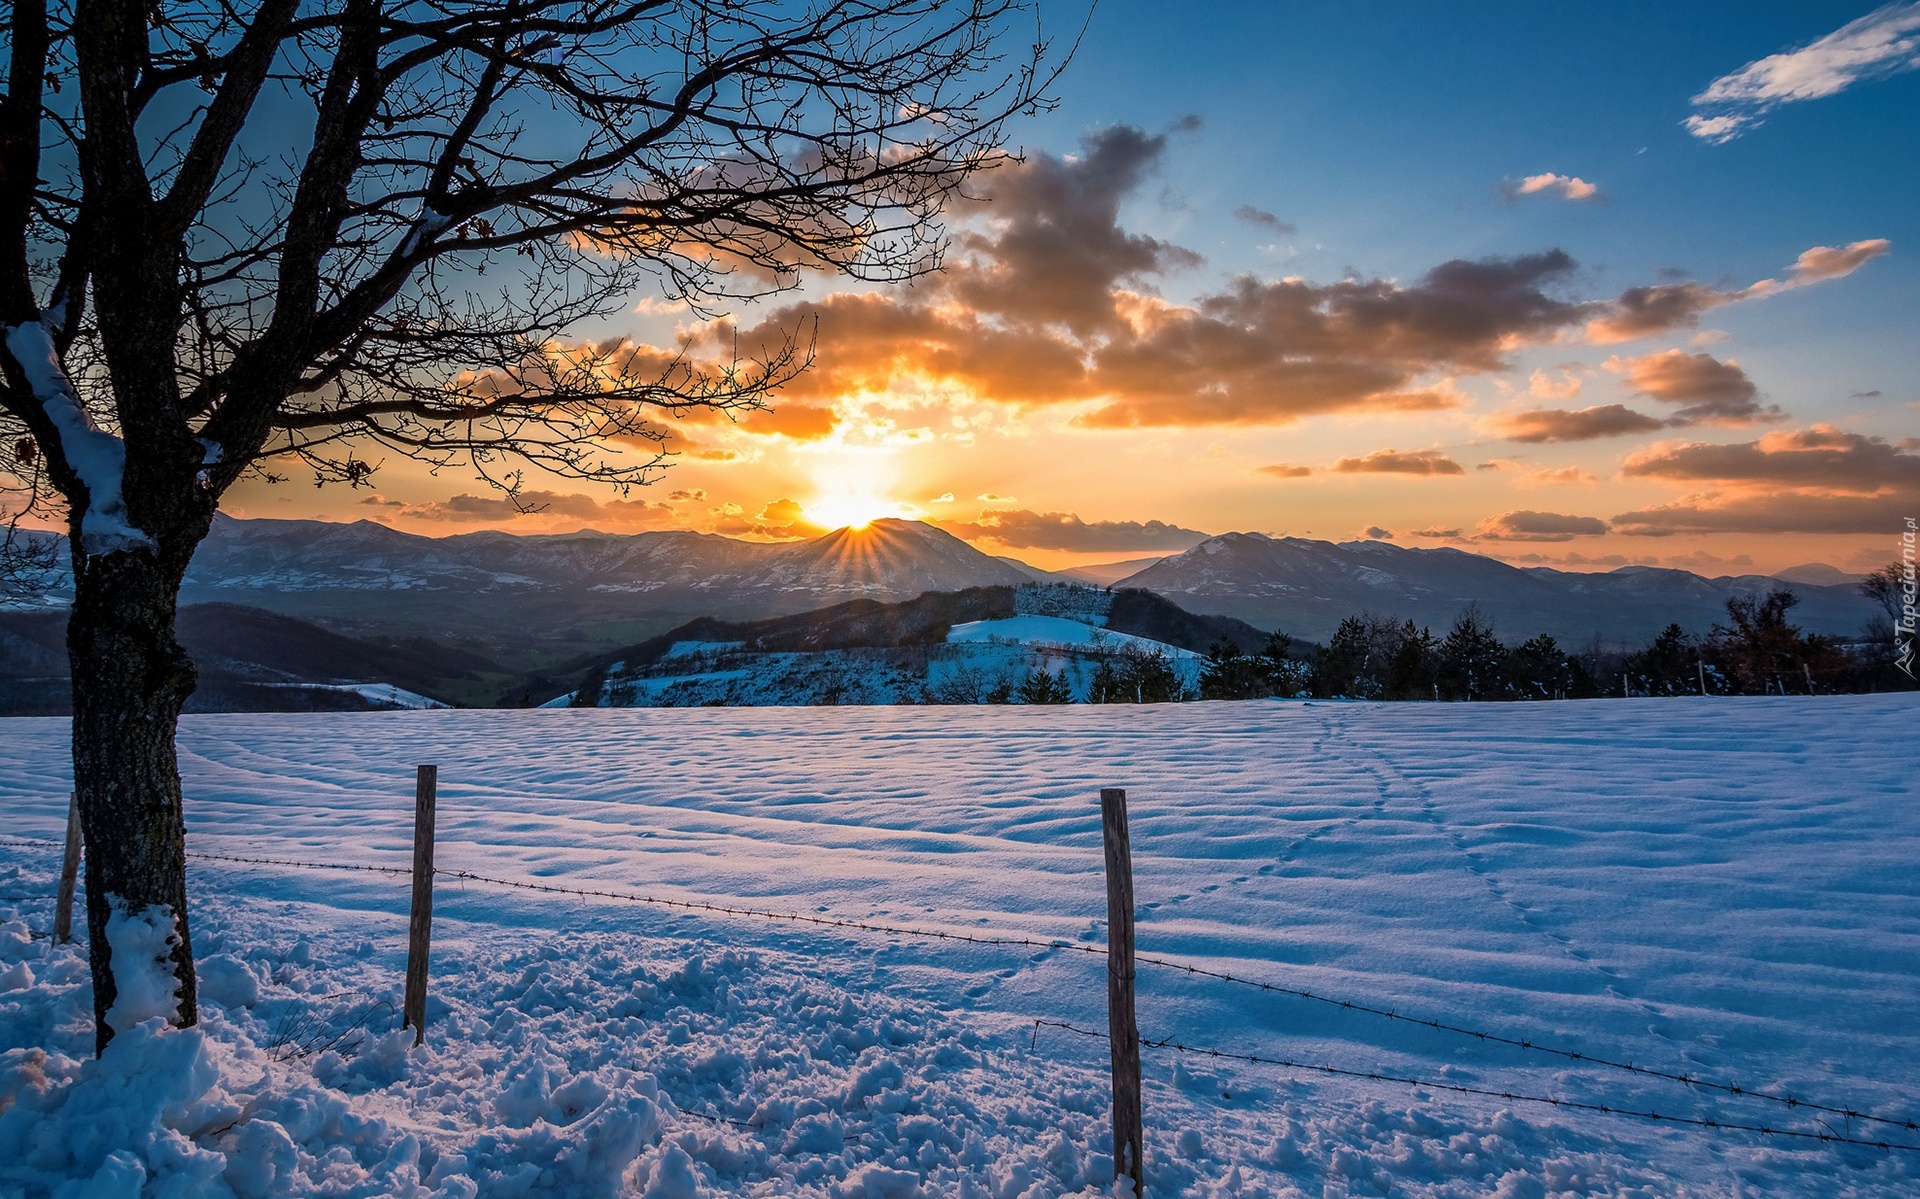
[849,511]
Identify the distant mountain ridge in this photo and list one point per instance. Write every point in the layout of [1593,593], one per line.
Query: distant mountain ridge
[1307,587]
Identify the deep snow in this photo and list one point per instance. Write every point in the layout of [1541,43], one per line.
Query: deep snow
[1713,887]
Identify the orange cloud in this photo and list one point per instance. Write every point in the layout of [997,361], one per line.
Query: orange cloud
[1527,525]
[1282,470]
[1714,391]
[1392,462]
[1645,311]
[1565,186]
[1821,458]
[1584,424]
[1816,480]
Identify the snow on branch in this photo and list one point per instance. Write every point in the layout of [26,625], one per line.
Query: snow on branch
[96,456]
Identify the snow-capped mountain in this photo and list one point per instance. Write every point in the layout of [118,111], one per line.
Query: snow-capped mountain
[1307,587]
[889,559]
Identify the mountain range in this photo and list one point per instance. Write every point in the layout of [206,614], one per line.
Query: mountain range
[521,614]
[1308,587]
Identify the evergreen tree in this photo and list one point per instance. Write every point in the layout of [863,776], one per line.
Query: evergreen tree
[1472,658]
[1231,674]
[1539,669]
[1670,665]
[1039,687]
[1414,670]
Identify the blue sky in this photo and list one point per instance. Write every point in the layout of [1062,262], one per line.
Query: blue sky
[1383,140]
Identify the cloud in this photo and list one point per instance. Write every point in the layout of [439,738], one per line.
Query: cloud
[1821,457]
[1263,219]
[549,505]
[1821,263]
[1789,513]
[1645,311]
[1884,42]
[1054,249]
[1021,529]
[945,497]
[1701,562]
[1438,534]
[1283,470]
[1376,533]
[1816,480]
[1714,391]
[1567,386]
[1555,478]
[696,493]
[781,519]
[988,497]
[1393,462]
[1583,424]
[801,422]
[1525,525]
[1269,352]
[1566,186]
[1050,302]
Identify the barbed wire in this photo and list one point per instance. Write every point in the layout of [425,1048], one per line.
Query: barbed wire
[1828,1137]
[1022,941]
[227,857]
[1529,1045]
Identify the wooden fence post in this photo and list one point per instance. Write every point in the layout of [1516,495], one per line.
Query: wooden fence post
[69,873]
[420,926]
[1128,1134]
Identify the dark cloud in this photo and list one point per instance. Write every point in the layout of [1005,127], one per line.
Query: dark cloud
[1770,514]
[1055,249]
[1583,424]
[1662,308]
[1021,529]
[1645,311]
[1376,533]
[1440,534]
[1044,305]
[1393,462]
[1712,390]
[1263,219]
[1526,525]
[1820,458]
[1817,480]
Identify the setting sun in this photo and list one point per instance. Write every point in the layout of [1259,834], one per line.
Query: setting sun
[850,511]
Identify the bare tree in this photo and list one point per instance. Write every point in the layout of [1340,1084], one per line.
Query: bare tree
[1887,588]
[236,235]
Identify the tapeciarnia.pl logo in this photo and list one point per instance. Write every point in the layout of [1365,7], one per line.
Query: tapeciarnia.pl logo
[1903,630]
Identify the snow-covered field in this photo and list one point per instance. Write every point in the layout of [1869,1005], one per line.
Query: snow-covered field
[1716,888]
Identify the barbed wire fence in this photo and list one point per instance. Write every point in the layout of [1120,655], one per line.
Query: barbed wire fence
[1812,1109]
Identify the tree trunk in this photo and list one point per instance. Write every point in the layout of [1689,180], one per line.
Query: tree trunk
[130,680]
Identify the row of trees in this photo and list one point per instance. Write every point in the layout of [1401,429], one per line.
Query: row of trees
[1756,651]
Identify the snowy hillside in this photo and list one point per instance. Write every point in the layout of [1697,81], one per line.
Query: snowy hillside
[1722,890]
[1057,631]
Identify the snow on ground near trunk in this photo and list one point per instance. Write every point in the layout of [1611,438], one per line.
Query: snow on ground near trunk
[1722,888]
